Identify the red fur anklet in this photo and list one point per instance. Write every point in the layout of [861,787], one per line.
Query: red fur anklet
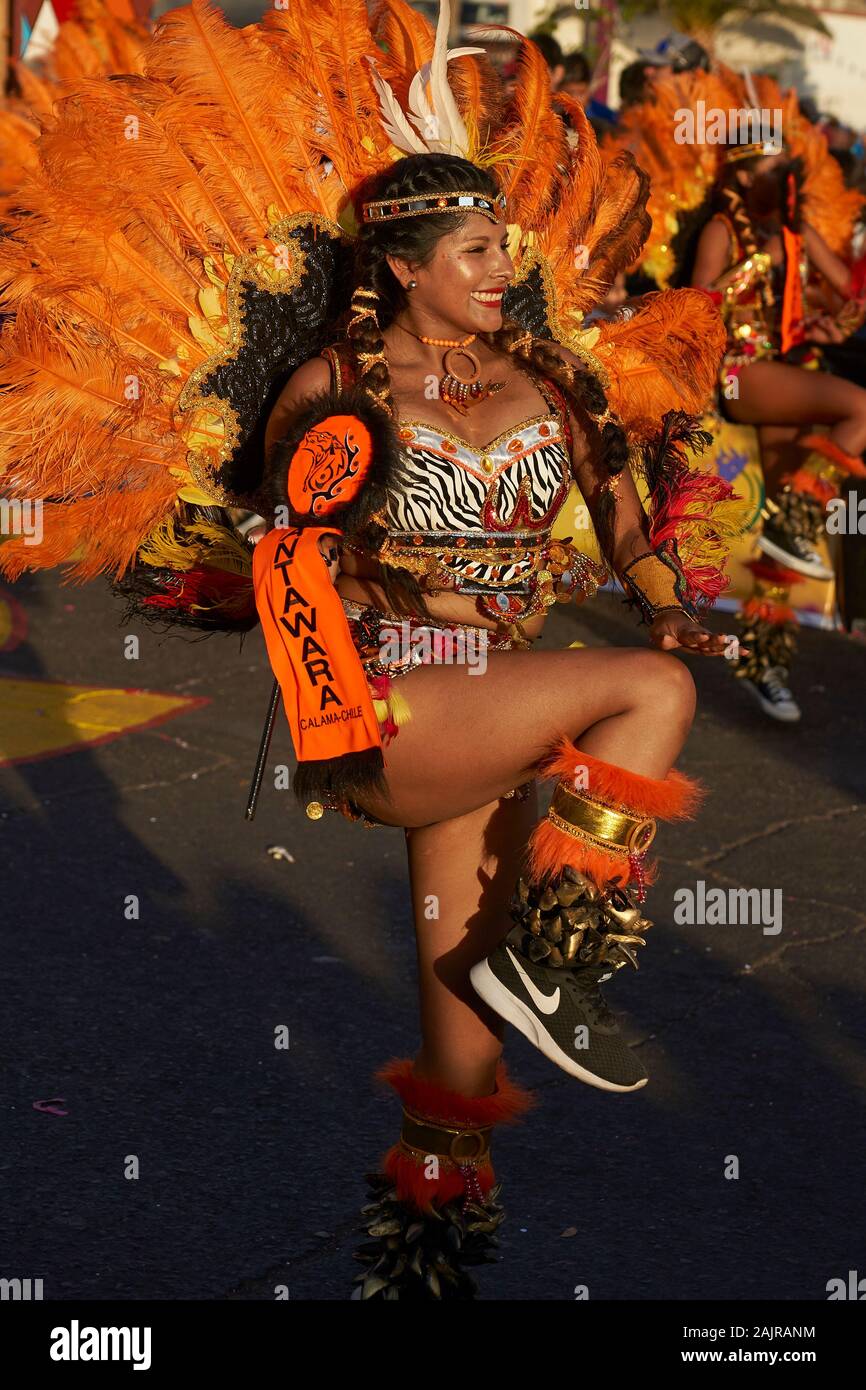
[428,1180]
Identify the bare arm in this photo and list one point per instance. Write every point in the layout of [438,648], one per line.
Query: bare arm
[310,378]
[713,255]
[834,270]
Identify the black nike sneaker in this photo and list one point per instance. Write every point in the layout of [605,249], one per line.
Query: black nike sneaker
[791,528]
[794,552]
[562,1012]
[773,695]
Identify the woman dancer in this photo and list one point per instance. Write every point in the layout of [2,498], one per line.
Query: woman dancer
[347,359]
[610,723]
[755,252]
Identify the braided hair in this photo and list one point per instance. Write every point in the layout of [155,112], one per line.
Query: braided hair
[382,298]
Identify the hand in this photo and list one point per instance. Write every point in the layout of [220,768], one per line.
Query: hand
[328,546]
[673,628]
[823,329]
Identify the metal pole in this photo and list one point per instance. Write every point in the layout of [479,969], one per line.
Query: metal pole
[259,769]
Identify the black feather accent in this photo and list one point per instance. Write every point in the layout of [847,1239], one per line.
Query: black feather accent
[664,455]
[387,471]
[279,330]
[346,778]
[202,599]
[146,582]
[526,303]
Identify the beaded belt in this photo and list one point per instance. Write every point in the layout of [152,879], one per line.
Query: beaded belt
[366,622]
[432,553]
[481,541]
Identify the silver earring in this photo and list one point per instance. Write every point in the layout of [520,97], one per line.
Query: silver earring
[412,285]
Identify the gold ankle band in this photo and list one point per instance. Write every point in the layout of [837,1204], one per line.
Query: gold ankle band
[421,1137]
[822,467]
[584,818]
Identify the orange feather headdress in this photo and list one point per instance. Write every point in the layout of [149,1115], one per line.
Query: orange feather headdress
[682,174]
[227,221]
[105,37]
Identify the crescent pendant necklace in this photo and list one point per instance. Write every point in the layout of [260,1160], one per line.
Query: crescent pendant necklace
[456,390]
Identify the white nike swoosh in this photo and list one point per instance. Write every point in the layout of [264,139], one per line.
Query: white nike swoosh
[547,1003]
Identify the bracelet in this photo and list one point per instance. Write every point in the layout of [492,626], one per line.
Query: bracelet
[655,582]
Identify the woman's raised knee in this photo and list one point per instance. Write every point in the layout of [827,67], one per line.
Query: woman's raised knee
[665,685]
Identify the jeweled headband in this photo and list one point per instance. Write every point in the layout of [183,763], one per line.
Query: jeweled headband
[387,208]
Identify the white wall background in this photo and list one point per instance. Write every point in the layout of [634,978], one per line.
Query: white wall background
[832,70]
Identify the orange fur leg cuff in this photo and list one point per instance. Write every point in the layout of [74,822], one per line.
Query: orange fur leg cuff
[602,817]
[846,463]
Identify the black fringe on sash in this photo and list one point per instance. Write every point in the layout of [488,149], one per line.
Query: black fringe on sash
[345,778]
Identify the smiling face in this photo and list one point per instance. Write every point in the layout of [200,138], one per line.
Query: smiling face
[461,286]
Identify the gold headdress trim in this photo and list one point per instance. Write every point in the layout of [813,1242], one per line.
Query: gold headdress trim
[572,338]
[757,148]
[211,428]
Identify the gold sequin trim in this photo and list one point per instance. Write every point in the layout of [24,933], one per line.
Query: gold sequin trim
[531,258]
[491,445]
[258,268]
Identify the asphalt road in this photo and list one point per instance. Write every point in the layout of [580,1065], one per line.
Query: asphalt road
[155,1035]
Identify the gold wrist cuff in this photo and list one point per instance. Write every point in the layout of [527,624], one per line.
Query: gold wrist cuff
[653,582]
[585,819]
[462,1145]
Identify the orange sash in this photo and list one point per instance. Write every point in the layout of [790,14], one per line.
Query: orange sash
[325,693]
[793,331]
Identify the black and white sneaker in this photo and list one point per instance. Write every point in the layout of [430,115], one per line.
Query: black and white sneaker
[773,695]
[792,551]
[561,1011]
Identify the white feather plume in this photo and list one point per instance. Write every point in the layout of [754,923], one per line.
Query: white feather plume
[437,118]
[396,127]
[452,131]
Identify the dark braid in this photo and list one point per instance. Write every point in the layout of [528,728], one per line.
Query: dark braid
[583,391]
[729,200]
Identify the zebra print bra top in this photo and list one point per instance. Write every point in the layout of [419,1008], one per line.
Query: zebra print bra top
[478,520]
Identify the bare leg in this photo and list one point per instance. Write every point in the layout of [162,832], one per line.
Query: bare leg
[771,393]
[472,738]
[779,453]
[462,873]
